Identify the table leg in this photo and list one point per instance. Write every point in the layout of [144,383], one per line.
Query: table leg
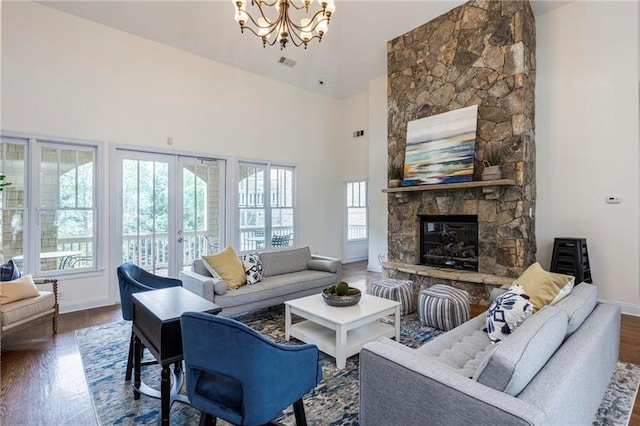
[341,347]
[287,322]
[397,323]
[165,395]
[137,360]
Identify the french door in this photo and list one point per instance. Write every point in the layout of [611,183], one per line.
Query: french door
[169,210]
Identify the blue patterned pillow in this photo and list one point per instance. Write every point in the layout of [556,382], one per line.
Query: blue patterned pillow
[253,267]
[507,312]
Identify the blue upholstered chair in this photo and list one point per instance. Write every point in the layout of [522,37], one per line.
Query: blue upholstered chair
[134,279]
[236,374]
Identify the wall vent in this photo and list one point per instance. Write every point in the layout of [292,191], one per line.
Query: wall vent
[286,61]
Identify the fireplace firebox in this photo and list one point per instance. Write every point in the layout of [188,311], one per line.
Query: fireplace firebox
[449,241]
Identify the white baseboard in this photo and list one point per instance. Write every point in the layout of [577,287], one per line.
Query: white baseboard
[374,267]
[626,308]
[66,307]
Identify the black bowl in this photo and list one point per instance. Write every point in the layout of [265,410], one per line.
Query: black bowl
[339,301]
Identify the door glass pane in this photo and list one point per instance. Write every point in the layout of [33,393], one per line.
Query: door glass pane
[201,211]
[67,211]
[145,215]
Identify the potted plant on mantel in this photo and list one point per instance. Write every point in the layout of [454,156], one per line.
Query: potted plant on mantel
[394,173]
[492,163]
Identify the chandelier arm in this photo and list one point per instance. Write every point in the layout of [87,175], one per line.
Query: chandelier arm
[264,38]
[305,6]
[301,28]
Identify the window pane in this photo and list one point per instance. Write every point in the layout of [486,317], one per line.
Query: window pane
[66,239]
[251,203]
[12,198]
[356,194]
[67,214]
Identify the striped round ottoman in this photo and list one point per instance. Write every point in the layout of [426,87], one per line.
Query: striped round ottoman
[443,307]
[398,290]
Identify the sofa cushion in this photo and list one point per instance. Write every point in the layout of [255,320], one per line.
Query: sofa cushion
[578,305]
[323,265]
[462,349]
[252,267]
[22,288]
[544,287]
[516,360]
[26,308]
[278,286]
[507,312]
[204,268]
[285,261]
[229,266]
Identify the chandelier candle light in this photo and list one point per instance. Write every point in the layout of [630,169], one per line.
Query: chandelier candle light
[274,24]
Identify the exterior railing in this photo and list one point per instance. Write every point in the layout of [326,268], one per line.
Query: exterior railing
[252,239]
[151,251]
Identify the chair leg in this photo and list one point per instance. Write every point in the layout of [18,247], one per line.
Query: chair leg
[298,410]
[127,376]
[207,419]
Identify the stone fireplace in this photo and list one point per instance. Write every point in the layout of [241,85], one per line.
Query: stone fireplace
[481,53]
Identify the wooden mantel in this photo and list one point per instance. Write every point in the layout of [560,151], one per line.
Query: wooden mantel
[447,186]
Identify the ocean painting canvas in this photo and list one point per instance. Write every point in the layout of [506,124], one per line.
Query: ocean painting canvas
[441,148]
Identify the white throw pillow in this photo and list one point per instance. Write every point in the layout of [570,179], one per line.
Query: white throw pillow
[253,267]
[507,312]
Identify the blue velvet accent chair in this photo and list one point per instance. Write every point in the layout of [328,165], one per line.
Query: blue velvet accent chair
[134,279]
[236,374]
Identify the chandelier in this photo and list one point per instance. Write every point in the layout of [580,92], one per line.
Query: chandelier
[274,24]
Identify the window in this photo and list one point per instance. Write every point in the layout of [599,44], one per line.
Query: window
[265,221]
[49,222]
[356,211]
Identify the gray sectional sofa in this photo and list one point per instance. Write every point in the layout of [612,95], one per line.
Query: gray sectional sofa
[553,369]
[287,274]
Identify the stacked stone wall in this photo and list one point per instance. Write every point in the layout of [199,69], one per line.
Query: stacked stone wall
[481,53]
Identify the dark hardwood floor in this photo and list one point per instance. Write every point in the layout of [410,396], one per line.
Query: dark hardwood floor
[43,381]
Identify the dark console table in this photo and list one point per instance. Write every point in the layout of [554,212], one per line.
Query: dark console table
[156,324]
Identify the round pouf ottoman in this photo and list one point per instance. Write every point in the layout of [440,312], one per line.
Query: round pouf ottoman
[398,290]
[443,307]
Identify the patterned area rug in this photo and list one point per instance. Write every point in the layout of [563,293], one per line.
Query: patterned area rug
[333,402]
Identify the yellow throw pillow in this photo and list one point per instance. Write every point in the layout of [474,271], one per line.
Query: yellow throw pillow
[544,287]
[229,266]
[22,288]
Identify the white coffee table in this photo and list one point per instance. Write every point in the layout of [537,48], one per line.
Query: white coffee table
[341,332]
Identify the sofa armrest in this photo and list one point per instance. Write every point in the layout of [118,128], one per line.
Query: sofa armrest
[207,287]
[403,388]
[324,263]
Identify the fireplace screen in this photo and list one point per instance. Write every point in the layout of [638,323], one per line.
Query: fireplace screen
[449,242]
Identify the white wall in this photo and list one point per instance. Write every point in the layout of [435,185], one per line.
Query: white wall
[587,140]
[68,77]
[352,155]
[378,206]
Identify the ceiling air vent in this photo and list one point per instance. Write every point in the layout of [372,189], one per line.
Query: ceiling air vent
[286,61]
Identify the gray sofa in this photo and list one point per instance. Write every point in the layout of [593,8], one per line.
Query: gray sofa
[287,274]
[553,369]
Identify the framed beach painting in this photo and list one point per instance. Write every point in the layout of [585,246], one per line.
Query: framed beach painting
[441,148]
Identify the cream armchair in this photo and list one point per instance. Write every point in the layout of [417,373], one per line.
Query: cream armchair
[23,311]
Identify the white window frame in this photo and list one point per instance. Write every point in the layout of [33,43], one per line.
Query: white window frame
[347,207]
[31,225]
[266,199]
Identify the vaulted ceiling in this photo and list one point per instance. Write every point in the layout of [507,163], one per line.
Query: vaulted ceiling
[351,53]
